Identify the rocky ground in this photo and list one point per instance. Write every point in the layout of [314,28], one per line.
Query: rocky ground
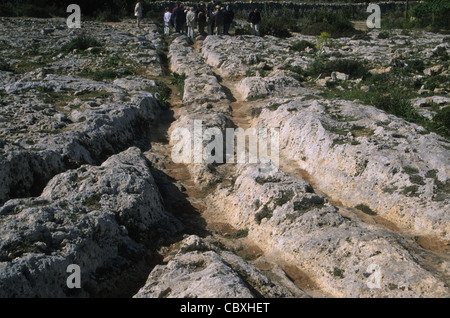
[358,206]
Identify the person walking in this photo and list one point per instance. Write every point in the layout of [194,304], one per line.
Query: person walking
[228,19]
[167,20]
[218,20]
[139,12]
[255,18]
[190,22]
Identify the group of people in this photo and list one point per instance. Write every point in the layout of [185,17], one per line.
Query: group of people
[208,19]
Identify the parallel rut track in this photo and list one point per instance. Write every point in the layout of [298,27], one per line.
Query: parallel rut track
[194,211]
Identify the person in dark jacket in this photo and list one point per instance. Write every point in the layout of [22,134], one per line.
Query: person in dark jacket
[255,18]
[209,20]
[179,18]
[201,18]
[227,19]
[218,20]
[172,22]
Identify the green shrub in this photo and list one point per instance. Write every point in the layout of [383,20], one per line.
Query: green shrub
[106,74]
[4,66]
[296,69]
[442,118]
[333,23]
[362,36]
[383,35]
[395,102]
[317,28]
[264,213]
[441,53]
[178,81]
[306,204]
[432,13]
[436,81]
[415,66]
[395,19]
[343,27]
[285,197]
[337,272]
[300,46]
[93,202]
[431,173]
[81,43]
[107,16]
[411,191]
[239,234]
[389,93]
[353,68]
[364,208]
[416,179]
[242,31]
[274,26]
[161,92]
[405,32]
[410,170]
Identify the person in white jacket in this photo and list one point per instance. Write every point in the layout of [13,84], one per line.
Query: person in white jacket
[190,22]
[138,12]
[167,19]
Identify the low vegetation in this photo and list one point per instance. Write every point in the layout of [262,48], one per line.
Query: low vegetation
[302,45]
[393,92]
[81,43]
[178,81]
[264,213]
[108,74]
[161,92]
[4,66]
[332,23]
[275,26]
[239,234]
[364,208]
[351,67]
[432,14]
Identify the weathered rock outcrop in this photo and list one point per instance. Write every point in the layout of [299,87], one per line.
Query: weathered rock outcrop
[198,269]
[276,84]
[364,156]
[107,219]
[188,133]
[289,221]
[236,56]
[52,117]
[94,134]
[200,84]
